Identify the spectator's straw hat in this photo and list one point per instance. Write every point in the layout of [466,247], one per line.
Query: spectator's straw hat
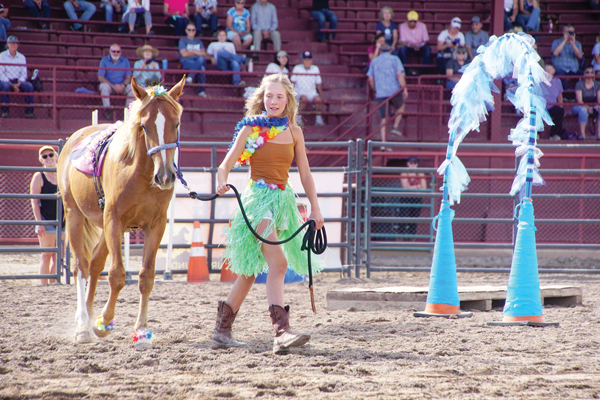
[44,148]
[140,50]
[412,16]
[12,39]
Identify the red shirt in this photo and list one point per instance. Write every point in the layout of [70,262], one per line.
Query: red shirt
[177,6]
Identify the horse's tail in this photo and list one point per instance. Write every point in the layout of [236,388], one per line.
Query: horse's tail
[91,235]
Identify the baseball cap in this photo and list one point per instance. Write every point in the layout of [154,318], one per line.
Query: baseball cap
[455,23]
[412,15]
[385,47]
[282,53]
[413,160]
[12,39]
[307,54]
[44,148]
[475,19]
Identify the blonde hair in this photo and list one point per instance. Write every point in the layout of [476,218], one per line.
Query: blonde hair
[255,104]
[388,8]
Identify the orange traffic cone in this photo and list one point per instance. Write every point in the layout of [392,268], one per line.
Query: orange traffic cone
[226,274]
[197,267]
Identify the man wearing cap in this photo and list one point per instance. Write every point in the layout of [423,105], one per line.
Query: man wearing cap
[114,80]
[192,56]
[150,71]
[263,19]
[386,77]
[411,181]
[414,38]
[307,81]
[475,37]
[447,42]
[14,78]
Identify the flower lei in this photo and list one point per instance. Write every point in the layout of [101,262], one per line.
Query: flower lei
[142,334]
[260,183]
[157,91]
[101,327]
[263,130]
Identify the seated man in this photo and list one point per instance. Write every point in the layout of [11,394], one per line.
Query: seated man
[223,56]
[307,81]
[475,37]
[114,81]
[14,78]
[414,38]
[71,6]
[263,19]
[191,55]
[4,25]
[567,54]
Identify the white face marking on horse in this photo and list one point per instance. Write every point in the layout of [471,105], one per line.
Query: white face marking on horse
[160,130]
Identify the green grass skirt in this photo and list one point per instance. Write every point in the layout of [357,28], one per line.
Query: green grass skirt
[243,250]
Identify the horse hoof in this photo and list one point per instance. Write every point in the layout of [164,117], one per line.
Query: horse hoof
[83,337]
[102,330]
[100,333]
[142,339]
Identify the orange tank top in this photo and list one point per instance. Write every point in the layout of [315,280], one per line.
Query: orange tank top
[272,162]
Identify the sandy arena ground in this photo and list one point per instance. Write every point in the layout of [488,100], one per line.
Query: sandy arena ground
[352,355]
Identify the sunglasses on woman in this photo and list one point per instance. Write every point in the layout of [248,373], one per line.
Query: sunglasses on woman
[44,156]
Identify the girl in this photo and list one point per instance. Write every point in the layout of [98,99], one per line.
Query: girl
[271,207]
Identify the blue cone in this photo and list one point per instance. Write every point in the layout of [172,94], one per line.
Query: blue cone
[443,288]
[523,291]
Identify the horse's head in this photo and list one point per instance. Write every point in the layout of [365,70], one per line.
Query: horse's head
[160,121]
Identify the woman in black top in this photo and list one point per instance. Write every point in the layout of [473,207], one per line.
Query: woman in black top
[45,210]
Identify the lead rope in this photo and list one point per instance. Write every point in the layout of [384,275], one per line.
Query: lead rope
[314,241]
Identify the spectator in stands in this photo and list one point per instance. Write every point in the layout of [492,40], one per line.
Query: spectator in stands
[176,15]
[114,81]
[224,58]
[263,18]
[447,43]
[475,37]
[554,100]
[4,25]
[454,65]
[510,14]
[280,65]
[414,38]
[374,49]
[45,209]
[141,8]
[111,7]
[595,4]
[528,17]
[596,55]
[386,78]
[72,6]
[14,78]
[206,13]
[150,76]
[587,91]
[388,27]
[238,26]
[567,54]
[411,181]
[308,84]
[35,6]
[192,56]
[322,13]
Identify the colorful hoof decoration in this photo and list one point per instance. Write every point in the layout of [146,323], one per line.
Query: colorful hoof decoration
[102,330]
[142,339]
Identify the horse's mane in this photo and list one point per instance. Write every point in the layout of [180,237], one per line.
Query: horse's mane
[125,138]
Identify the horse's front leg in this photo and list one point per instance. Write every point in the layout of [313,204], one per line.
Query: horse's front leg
[143,336]
[113,233]
[96,267]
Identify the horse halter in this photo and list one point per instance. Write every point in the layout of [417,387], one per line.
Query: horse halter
[168,146]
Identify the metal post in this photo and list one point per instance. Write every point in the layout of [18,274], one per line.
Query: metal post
[368,205]
[350,174]
[358,208]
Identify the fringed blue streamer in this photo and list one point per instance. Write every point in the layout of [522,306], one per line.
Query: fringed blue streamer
[522,175]
[457,178]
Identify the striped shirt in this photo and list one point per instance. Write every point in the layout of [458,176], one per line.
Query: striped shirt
[8,72]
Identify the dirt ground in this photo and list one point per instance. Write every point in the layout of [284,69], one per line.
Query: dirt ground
[352,355]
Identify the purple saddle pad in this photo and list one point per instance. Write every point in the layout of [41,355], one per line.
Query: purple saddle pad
[82,156]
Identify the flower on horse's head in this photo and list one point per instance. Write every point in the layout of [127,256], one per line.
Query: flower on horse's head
[157,90]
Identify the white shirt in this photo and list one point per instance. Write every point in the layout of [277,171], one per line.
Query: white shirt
[7,72]
[215,47]
[306,84]
[131,4]
[274,68]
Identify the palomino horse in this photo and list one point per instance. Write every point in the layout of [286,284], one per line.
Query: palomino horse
[138,184]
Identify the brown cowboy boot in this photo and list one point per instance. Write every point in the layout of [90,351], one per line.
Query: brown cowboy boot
[284,337]
[222,336]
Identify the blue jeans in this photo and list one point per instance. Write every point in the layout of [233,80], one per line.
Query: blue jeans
[178,23]
[227,61]
[26,87]
[582,113]
[529,22]
[450,84]
[35,11]
[4,25]
[195,63]
[211,21]
[424,52]
[321,16]
[88,10]
[507,24]
[109,11]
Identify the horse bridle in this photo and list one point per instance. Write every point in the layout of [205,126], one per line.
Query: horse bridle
[168,146]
